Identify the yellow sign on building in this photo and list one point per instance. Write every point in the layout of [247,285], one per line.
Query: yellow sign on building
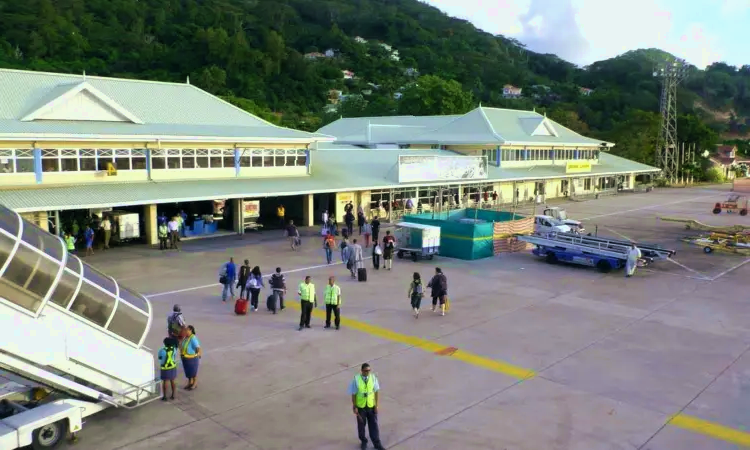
[577,167]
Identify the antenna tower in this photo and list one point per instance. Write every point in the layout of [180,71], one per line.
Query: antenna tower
[667,152]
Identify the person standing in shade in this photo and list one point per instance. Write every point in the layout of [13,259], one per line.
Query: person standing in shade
[88,235]
[168,364]
[242,278]
[70,243]
[227,277]
[174,233]
[107,228]
[375,224]
[163,233]
[365,390]
[416,292]
[439,286]
[332,298]
[190,351]
[306,292]
[254,284]
[280,213]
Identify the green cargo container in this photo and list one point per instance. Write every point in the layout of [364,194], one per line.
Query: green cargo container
[464,240]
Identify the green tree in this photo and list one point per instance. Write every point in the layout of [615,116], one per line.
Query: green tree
[431,95]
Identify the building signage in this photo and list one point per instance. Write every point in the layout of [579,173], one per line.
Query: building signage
[577,167]
[441,168]
[250,208]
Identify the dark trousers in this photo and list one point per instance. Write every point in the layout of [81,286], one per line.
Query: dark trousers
[174,238]
[305,313]
[280,295]
[349,228]
[336,313]
[376,261]
[163,243]
[367,416]
[254,294]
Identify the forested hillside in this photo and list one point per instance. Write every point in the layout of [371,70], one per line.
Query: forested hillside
[253,52]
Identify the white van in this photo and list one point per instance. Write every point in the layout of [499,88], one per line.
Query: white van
[547,224]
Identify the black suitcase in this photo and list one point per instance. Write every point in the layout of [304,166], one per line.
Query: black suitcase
[362,274]
[271,302]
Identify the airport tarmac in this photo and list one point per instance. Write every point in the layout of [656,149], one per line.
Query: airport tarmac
[531,356]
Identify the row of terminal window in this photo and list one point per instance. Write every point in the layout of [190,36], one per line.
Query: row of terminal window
[92,160]
[535,154]
[30,274]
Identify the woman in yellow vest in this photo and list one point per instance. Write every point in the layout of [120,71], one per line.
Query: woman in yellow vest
[168,364]
[190,351]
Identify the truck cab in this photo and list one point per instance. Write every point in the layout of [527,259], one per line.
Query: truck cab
[547,224]
[562,216]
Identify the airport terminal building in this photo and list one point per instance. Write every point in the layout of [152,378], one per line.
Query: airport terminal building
[73,145]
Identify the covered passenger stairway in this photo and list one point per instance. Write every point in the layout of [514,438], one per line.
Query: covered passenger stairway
[68,327]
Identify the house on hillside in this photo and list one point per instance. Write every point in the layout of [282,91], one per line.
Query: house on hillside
[334,95]
[360,40]
[331,53]
[411,72]
[725,158]
[585,91]
[510,91]
[398,95]
[347,74]
[314,55]
[385,46]
[395,56]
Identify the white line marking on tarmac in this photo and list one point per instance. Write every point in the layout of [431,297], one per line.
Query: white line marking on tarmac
[617,213]
[702,276]
[206,286]
[730,270]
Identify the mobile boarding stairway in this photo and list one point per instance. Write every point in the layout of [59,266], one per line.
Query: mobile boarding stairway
[71,339]
[603,253]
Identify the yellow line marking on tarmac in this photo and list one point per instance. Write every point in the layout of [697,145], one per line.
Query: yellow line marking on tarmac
[508,369]
[710,429]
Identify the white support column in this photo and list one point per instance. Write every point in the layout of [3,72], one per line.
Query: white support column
[308,211]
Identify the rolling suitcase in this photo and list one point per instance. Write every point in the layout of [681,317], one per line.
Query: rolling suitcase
[271,303]
[362,274]
[240,306]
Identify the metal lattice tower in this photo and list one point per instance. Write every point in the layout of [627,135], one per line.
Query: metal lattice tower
[671,74]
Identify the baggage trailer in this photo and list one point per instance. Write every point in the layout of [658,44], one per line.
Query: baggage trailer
[72,340]
[417,241]
[604,254]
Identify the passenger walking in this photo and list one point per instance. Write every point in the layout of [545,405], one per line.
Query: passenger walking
[360,219]
[344,252]
[254,284]
[367,231]
[307,301]
[364,390]
[242,277]
[191,355]
[227,277]
[106,226]
[375,224]
[355,258]
[292,234]
[332,298]
[439,286]
[377,252]
[278,288]
[176,324]
[416,292]
[349,221]
[163,233]
[634,254]
[389,244]
[88,235]
[329,242]
[168,363]
[174,233]
[70,243]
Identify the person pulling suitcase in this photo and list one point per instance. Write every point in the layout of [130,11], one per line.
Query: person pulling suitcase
[278,289]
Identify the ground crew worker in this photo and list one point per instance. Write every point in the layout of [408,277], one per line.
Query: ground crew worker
[168,366]
[364,390]
[70,243]
[307,300]
[333,302]
[163,233]
[280,213]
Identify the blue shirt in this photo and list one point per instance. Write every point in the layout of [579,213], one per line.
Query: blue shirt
[89,234]
[231,269]
[163,355]
[193,345]
[353,386]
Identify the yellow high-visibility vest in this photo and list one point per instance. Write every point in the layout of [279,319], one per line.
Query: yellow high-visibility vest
[365,391]
[169,362]
[307,292]
[332,295]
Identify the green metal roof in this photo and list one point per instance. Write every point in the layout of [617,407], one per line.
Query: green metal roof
[335,169]
[166,109]
[481,126]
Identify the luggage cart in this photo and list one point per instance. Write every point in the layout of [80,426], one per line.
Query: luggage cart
[417,241]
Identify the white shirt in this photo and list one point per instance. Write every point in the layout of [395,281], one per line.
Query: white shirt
[172,225]
[106,225]
[325,217]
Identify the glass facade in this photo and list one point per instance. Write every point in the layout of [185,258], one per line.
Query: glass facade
[546,154]
[36,272]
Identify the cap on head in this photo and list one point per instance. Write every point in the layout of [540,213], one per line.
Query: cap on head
[176,308]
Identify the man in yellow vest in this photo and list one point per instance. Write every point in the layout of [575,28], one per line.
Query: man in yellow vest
[364,391]
[307,300]
[332,297]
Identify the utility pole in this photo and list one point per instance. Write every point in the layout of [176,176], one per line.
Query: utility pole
[667,152]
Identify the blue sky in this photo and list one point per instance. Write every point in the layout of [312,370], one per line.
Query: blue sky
[584,31]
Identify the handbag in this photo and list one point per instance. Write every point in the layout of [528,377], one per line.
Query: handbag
[447,303]
[223,279]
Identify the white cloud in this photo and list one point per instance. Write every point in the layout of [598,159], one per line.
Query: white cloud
[733,8]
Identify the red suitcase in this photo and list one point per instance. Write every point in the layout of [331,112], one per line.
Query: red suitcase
[240,307]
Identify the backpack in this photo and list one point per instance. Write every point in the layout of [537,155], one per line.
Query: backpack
[174,325]
[254,282]
[418,289]
[277,281]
